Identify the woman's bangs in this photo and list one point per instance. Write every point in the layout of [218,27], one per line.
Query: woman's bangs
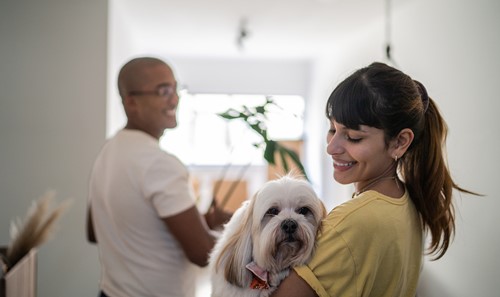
[350,105]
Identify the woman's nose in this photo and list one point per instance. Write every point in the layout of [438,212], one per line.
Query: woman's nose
[334,146]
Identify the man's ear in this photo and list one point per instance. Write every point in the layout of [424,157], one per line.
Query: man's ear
[127,100]
[401,143]
[129,103]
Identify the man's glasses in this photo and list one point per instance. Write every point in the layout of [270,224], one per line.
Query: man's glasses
[165,91]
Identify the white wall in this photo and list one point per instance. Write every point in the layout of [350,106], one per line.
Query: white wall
[52,123]
[452,47]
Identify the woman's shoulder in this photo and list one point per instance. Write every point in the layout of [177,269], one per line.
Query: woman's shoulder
[369,207]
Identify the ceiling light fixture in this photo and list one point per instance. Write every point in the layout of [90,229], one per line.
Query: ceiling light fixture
[388,28]
[242,33]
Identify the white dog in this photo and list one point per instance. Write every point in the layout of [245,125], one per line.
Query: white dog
[266,236]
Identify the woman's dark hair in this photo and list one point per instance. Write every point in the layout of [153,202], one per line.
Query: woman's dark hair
[383,97]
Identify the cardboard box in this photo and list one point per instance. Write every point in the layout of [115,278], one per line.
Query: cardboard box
[20,280]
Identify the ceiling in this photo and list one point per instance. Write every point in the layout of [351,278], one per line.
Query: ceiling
[276,28]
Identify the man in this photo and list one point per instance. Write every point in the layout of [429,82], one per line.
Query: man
[142,213]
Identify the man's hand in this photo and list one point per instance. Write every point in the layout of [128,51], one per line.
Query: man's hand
[216,216]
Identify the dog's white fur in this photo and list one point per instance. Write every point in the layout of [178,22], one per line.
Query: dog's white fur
[257,232]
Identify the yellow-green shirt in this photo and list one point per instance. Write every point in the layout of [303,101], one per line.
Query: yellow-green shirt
[369,246]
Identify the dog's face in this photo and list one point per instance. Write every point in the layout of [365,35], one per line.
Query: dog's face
[285,218]
[276,230]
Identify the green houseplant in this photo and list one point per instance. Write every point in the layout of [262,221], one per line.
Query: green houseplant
[255,118]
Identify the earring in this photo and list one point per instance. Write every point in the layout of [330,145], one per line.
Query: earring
[396,158]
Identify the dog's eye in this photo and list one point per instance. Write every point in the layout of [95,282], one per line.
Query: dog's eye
[303,210]
[272,211]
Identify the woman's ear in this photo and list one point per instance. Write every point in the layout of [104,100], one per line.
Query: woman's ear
[401,143]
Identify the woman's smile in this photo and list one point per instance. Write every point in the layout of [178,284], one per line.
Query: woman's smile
[343,165]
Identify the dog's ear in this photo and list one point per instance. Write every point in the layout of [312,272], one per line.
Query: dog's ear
[324,212]
[323,215]
[236,251]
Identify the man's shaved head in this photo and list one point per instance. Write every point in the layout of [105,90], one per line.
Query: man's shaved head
[133,74]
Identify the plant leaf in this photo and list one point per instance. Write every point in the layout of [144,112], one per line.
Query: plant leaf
[283,154]
[258,128]
[232,114]
[269,151]
[295,159]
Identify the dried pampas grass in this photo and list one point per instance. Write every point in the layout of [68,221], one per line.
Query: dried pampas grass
[37,227]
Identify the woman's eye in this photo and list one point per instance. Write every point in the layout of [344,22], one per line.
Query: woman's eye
[303,210]
[353,139]
[272,211]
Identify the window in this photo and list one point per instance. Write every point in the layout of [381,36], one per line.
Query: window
[204,138]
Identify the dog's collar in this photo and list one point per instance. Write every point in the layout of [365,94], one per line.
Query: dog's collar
[259,281]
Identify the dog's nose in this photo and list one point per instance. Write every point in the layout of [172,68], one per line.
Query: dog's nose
[289,226]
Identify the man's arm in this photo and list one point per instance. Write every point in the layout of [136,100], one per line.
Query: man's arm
[90,227]
[193,234]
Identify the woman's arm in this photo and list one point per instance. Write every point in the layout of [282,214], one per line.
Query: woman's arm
[294,286]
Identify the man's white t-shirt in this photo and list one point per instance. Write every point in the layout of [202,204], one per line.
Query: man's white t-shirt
[132,186]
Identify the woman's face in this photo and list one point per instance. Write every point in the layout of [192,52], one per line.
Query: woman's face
[359,156]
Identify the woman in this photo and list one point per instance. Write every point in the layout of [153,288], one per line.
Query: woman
[387,138]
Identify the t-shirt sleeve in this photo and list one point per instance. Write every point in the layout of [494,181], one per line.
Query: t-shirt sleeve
[332,268]
[168,187]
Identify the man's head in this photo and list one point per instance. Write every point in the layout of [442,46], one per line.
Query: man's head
[148,90]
